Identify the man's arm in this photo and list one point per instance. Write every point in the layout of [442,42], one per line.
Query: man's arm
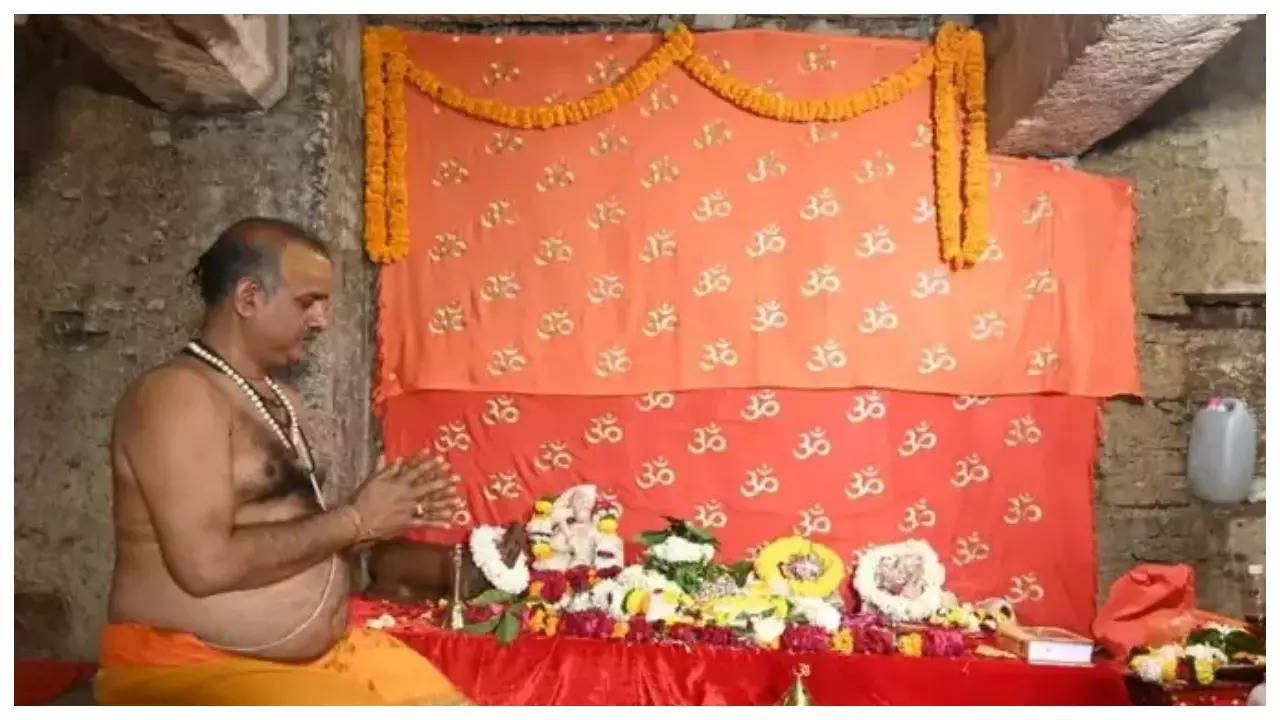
[178,445]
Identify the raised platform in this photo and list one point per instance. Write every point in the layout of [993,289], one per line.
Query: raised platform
[579,671]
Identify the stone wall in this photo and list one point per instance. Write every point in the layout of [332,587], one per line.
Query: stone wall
[114,201]
[913,26]
[1198,165]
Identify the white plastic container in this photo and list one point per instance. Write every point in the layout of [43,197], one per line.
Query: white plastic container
[1222,451]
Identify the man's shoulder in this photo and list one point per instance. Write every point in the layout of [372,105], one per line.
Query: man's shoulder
[177,386]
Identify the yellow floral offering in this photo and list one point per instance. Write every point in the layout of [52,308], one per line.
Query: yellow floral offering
[842,641]
[911,644]
[804,567]
[1204,671]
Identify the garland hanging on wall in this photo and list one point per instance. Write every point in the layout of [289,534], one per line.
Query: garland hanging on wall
[955,61]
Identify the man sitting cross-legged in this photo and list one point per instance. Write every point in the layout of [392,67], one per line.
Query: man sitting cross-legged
[231,577]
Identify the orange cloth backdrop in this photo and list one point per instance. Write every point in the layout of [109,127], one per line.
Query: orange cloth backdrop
[680,243]
[998,486]
[674,300]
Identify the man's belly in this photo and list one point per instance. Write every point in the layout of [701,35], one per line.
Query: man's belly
[243,621]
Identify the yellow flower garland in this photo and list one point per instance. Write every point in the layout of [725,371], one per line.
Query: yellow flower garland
[772,556]
[955,61]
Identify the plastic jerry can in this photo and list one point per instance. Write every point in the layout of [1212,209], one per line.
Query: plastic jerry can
[1222,451]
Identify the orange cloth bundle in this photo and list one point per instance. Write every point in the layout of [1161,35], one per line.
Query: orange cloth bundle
[1151,605]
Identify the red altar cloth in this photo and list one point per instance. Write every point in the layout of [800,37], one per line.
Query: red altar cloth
[580,671]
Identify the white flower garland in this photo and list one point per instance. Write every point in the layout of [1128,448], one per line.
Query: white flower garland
[484,541]
[895,607]
[817,611]
[674,549]
[1207,653]
[664,595]
[1150,666]
[768,629]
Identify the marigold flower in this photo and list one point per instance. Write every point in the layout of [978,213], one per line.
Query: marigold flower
[842,641]
[911,644]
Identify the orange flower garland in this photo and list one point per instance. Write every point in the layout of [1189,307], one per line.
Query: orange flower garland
[631,85]
[397,145]
[758,101]
[375,144]
[956,63]
[976,179]
[946,169]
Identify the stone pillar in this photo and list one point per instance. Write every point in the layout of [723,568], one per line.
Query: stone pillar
[200,63]
[1057,84]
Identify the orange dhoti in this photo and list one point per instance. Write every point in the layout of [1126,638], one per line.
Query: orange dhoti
[144,666]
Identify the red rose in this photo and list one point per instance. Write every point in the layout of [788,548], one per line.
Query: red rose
[553,584]
[639,631]
[579,577]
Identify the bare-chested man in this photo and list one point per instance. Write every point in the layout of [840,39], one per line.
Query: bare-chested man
[231,578]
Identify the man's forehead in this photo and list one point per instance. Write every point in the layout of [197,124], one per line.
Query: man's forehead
[302,264]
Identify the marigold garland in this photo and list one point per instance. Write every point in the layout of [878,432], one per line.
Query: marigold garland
[960,72]
[955,62]
[375,179]
[976,178]
[397,144]
[772,105]
[946,168]
[678,45]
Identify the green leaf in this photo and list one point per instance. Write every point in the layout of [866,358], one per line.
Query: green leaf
[700,535]
[1241,641]
[740,570]
[651,537]
[688,575]
[508,629]
[482,628]
[491,596]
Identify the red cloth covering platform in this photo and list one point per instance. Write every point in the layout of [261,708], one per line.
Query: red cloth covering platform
[580,671]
